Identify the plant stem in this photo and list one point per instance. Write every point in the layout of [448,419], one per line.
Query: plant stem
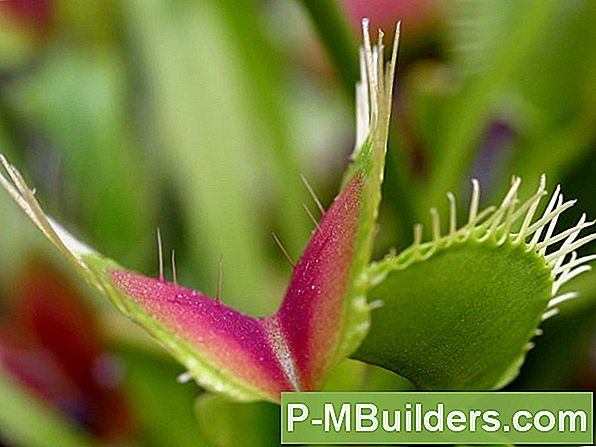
[335,33]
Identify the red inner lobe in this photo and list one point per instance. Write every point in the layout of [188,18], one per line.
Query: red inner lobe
[227,339]
[312,312]
[309,320]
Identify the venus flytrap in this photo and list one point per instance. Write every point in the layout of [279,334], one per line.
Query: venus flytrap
[457,312]
[324,315]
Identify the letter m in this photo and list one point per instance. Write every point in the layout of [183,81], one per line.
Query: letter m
[331,417]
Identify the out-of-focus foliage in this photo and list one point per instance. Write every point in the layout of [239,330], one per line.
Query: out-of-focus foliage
[199,117]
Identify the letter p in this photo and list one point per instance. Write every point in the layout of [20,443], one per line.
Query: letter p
[294,417]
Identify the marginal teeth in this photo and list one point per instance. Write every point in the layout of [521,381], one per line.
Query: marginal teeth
[574,262]
[550,313]
[568,275]
[562,298]
[436,224]
[572,247]
[184,377]
[452,215]
[377,304]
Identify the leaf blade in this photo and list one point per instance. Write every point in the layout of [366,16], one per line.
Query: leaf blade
[481,292]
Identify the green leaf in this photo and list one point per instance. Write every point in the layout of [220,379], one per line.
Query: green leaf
[459,312]
[445,313]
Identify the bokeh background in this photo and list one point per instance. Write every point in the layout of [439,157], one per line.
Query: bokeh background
[198,117]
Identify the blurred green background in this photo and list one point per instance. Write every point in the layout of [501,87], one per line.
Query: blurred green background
[198,117]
